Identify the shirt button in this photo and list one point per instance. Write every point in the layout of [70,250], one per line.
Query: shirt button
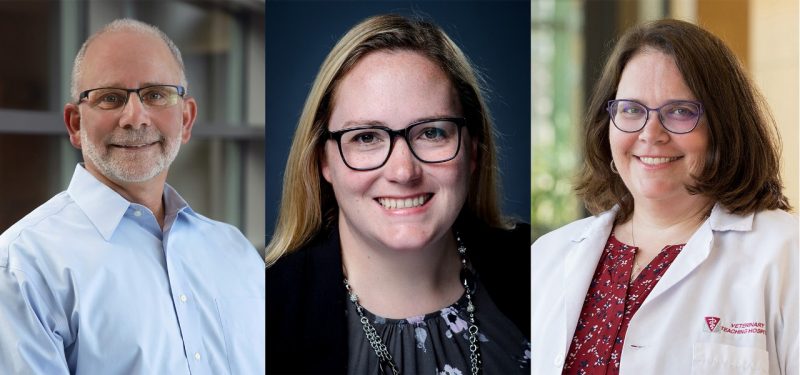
[137,213]
[558,361]
[197,356]
[183,299]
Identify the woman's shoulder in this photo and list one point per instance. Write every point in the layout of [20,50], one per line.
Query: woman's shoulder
[516,238]
[576,230]
[305,297]
[501,258]
[307,281]
[778,220]
[311,270]
[517,233]
[775,233]
[772,224]
[779,226]
[317,249]
[477,234]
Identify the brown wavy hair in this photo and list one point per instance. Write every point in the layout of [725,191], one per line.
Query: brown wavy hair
[742,164]
[308,202]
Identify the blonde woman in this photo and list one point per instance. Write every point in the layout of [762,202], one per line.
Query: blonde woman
[381,260]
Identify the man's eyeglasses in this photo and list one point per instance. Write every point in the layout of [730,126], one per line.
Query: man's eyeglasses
[366,148]
[112,98]
[679,117]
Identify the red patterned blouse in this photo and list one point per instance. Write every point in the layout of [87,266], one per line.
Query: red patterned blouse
[610,303]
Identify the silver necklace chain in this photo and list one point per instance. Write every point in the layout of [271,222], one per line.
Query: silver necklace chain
[385,359]
[637,269]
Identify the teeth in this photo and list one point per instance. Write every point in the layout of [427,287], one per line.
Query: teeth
[134,146]
[391,203]
[655,161]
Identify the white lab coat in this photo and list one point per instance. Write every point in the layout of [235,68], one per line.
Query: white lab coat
[736,274]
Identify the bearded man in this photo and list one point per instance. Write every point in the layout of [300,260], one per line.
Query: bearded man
[117,274]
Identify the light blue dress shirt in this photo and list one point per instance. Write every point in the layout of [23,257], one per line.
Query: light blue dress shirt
[89,284]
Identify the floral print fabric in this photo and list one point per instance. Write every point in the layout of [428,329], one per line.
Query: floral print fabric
[438,343]
[610,303]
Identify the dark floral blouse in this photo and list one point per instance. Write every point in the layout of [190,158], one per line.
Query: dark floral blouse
[437,343]
[610,303]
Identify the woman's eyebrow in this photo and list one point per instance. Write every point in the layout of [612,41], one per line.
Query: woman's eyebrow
[358,123]
[365,122]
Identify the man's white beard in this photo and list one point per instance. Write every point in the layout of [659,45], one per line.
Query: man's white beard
[117,168]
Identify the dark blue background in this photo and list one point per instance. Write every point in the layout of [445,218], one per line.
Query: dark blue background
[494,35]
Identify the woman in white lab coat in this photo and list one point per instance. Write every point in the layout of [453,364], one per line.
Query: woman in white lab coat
[690,262]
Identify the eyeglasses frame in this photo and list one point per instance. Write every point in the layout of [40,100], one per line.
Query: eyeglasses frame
[85,94]
[393,134]
[658,110]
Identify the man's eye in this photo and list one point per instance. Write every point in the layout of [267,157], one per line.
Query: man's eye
[108,100]
[111,98]
[154,95]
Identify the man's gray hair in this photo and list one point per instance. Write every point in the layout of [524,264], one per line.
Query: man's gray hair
[124,24]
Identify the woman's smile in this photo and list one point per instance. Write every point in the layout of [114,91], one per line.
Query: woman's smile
[657,162]
[404,203]
[650,160]
[653,162]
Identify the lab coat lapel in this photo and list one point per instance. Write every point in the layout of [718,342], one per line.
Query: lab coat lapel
[698,248]
[694,253]
[580,265]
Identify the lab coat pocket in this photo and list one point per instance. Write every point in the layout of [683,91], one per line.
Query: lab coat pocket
[711,358]
[243,326]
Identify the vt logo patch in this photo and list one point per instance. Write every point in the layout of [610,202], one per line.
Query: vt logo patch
[712,322]
[715,325]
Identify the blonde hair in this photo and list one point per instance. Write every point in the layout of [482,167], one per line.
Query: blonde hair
[308,202]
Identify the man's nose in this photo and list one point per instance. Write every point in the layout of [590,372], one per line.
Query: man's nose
[134,112]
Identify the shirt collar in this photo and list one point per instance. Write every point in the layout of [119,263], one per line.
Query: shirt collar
[722,220]
[603,222]
[105,207]
[174,204]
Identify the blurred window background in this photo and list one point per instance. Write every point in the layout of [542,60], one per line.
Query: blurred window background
[220,172]
[570,40]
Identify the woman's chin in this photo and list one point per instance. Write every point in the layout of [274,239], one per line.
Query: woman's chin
[408,239]
[662,191]
[407,244]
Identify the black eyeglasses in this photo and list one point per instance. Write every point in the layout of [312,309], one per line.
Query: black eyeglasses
[366,148]
[113,98]
[679,116]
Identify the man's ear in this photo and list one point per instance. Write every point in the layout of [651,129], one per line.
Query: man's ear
[72,119]
[188,116]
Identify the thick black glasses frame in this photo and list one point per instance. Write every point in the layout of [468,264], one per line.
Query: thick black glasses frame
[658,110]
[85,94]
[393,134]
